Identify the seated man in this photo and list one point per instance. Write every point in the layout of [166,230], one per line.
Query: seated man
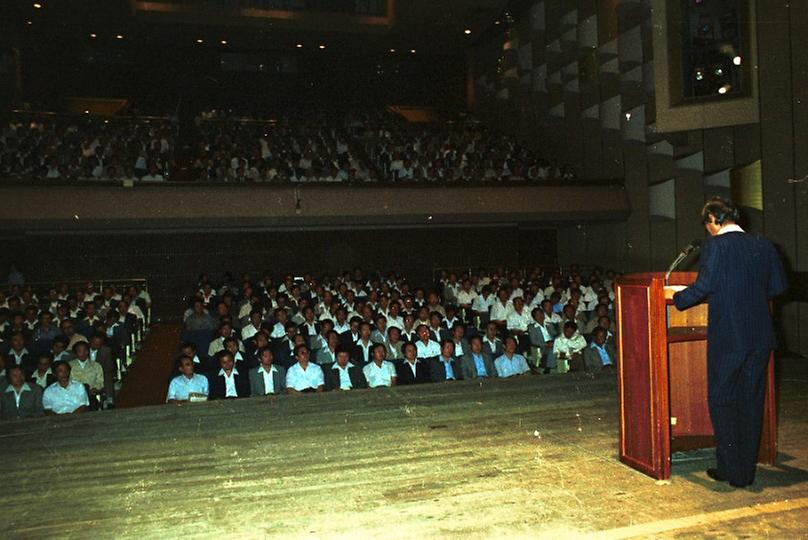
[342,374]
[65,396]
[328,354]
[476,362]
[87,371]
[379,372]
[267,378]
[600,354]
[228,383]
[225,331]
[18,354]
[461,344]
[304,376]
[43,374]
[517,322]
[363,345]
[102,354]
[426,347]
[491,342]
[411,370]
[511,364]
[187,384]
[394,344]
[445,367]
[541,335]
[567,348]
[20,399]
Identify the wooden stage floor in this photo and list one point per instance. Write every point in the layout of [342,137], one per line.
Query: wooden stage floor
[529,457]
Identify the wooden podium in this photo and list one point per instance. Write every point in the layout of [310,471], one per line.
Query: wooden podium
[662,376]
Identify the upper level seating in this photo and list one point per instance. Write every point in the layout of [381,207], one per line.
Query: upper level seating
[86,148]
[298,147]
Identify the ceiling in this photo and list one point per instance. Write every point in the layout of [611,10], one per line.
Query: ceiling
[426,26]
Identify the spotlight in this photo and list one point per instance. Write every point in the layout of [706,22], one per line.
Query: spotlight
[699,74]
[737,60]
[718,71]
[724,89]
[299,45]
[392,50]
[224,42]
[37,5]
[200,41]
[119,36]
[93,35]
[412,51]
[322,46]
[29,23]
[467,31]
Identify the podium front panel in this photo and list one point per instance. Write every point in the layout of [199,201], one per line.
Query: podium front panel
[644,416]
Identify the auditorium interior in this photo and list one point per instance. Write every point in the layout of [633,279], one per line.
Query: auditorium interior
[377,268]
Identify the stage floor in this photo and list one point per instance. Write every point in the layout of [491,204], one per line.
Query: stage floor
[528,457]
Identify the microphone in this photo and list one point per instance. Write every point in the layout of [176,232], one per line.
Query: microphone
[684,254]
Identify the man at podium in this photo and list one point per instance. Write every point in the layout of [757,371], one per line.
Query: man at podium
[738,276]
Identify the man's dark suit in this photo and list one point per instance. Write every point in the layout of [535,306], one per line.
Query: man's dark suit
[218,389]
[257,381]
[104,357]
[332,381]
[404,373]
[283,353]
[437,370]
[30,403]
[739,274]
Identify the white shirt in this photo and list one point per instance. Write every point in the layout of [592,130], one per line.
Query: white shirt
[365,349]
[500,311]
[344,376]
[229,383]
[481,303]
[379,375]
[42,380]
[181,386]
[730,227]
[398,322]
[464,297]
[427,350]
[248,331]
[269,379]
[301,379]
[65,400]
[519,321]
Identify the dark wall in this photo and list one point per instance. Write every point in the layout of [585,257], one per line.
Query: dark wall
[172,262]
[590,101]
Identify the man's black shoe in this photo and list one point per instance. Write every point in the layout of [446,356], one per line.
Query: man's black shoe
[715,475]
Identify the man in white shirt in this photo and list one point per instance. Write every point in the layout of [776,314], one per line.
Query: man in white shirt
[253,327]
[65,396]
[518,321]
[567,348]
[426,347]
[228,383]
[304,376]
[187,384]
[501,308]
[343,374]
[86,371]
[379,372]
[267,378]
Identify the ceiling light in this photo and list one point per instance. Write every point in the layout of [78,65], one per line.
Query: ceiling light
[322,46]
[737,60]
[392,50]
[37,5]
[299,45]
[412,51]
[724,89]
[29,22]
[467,31]
[224,42]
[119,36]
[93,35]
[199,41]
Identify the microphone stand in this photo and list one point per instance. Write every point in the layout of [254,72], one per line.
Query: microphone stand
[681,257]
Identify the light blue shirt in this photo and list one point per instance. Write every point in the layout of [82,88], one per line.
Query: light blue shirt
[447,364]
[480,365]
[182,386]
[510,367]
[604,355]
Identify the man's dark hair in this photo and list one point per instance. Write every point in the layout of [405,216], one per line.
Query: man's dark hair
[570,324]
[721,209]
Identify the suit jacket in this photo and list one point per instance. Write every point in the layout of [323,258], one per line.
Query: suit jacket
[739,274]
[592,359]
[30,404]
[497,351]
[405,376]
[331,376]
[469,368]
[217,387]
[323,356]
[257,381]
[536,337]
[437,371]
[394,350]
[283,353]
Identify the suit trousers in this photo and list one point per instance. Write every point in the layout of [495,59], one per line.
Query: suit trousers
[736,387]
